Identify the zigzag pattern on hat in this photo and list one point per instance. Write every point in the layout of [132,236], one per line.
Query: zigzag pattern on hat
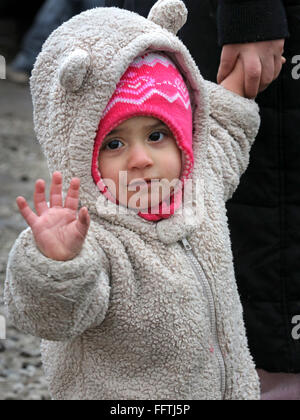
[138,85]
[134,85]
[144,98]
[151,60]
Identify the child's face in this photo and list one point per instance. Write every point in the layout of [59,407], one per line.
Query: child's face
[144,148]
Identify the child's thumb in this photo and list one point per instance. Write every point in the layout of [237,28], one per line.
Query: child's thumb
[228,60]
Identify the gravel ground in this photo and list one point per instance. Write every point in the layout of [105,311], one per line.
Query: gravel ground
[21,163]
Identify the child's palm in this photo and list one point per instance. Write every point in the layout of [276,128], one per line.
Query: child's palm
[58,233]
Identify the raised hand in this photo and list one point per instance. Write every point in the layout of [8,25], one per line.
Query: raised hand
[58,232]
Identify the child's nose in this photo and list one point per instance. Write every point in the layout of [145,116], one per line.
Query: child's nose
[139,158]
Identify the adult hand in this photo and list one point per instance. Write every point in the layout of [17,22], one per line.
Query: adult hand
[57,231]
[262,64]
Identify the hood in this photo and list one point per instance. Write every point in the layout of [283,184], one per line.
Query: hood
[76,74]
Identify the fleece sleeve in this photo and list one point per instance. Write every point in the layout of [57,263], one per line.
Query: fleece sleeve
[56,300]
[233,125]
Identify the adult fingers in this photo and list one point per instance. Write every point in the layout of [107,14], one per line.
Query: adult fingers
[83,222]
[253,71]
[29,216]
[277,66]
[72,199]
[267,74]
[39,198]
[56,190]
[227,63]
[279,62]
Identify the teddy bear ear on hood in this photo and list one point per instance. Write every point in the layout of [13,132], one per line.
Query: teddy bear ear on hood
[169,14]
[73,70]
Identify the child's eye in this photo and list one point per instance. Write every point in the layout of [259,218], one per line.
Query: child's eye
[157,136]
[112,145]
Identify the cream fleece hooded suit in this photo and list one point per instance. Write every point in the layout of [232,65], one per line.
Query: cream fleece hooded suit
[146,310]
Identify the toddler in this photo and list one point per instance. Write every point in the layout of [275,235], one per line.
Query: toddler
[133,298]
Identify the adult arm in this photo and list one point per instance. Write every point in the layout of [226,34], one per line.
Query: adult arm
[244,21]
[254,31]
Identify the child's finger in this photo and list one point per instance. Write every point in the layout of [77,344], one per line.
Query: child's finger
[40,203]
[267,73]
[228,60]
[26,211]
[283,59]
[72,198]
[83,221]
[56,190]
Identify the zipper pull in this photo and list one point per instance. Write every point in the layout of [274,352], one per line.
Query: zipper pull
[186,244]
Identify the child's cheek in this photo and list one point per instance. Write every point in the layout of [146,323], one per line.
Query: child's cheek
[175,162]
[175,167]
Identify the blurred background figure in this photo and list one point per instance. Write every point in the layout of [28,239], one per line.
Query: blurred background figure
[17,16]
[52,13]
[15,19]
[24,26]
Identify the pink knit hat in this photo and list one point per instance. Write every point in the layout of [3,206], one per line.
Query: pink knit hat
[151,86]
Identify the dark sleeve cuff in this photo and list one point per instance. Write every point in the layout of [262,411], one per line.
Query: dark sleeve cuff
[241,21]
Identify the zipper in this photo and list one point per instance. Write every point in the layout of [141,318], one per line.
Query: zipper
[212,312]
